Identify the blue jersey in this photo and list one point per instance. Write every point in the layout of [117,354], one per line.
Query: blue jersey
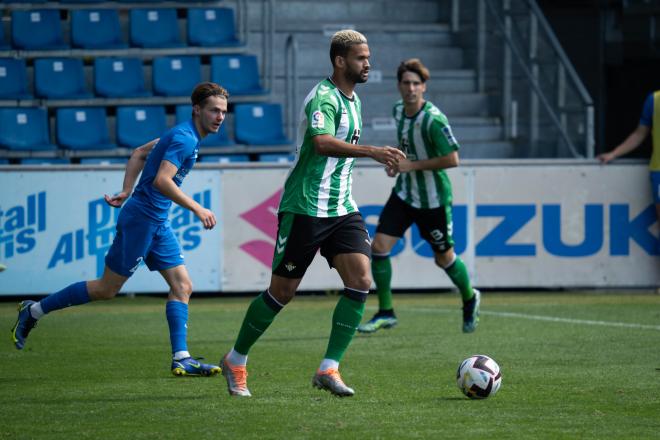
[178,146]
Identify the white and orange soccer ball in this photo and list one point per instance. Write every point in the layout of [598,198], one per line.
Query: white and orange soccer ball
[479,377]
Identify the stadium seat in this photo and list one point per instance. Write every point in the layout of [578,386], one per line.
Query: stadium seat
[137,125]
[96,29]
[4,45]
[4,161]
[119,78]
[37,29]
[13,79]
[259,124]
[176,75]
[25,129]
[224,158]
[277,157]
[154,28]
[239,74]
[211,27]
[83,128]
[60,78]
[219,139]
[103,160]
[84,1]
[45,161]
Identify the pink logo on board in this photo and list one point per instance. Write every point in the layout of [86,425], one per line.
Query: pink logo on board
[264,218]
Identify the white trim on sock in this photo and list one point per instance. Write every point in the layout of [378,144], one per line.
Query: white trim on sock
[177,356]
[453,260]
[235,358]
[273,298]
[36,311]
[356,290]
[329,363]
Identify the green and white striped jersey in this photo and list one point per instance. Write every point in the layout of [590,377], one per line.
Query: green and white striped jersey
[320,186]
[424,136]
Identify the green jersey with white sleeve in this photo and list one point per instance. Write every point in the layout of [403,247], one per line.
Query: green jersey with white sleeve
[320,186]
[425,135]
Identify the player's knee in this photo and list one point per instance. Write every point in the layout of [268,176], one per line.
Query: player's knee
[442,260]
[182,289]
[361,282]
[105,291]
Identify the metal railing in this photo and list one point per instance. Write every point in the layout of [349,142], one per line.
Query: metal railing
[291,84]
[544,104]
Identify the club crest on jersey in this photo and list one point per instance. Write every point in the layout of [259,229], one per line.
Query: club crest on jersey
[318,120]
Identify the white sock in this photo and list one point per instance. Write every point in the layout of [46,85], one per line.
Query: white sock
[329,363]
[177,356]
[36,311]
[235,358]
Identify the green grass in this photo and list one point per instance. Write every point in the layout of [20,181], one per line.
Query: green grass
[101,371]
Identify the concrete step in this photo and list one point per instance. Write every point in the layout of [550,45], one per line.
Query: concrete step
[465,130]
[452,104]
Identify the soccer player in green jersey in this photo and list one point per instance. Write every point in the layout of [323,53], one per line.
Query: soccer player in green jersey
[316,212]
[421,195]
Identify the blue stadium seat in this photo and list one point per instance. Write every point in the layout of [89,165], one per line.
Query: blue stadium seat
[13,79]
[137,125]
[83,128]
[119,78]
[4,45]
[154,28]
[4,161]
[25,129]
[277,157]
[176,76]
[211,27]
[60,78]
[45,161]
[83,1]
[259,124]
[224,158]
[219,139]
[37,29]
[103,160]
[239,74]
[96,29]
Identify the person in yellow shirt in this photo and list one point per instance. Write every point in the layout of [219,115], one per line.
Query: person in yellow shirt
[649,122]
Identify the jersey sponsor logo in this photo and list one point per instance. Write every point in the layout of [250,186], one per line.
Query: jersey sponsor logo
[356,136]
[318,120]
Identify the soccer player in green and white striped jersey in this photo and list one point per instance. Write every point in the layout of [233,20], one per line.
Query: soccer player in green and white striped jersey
[421,195]
[316,212]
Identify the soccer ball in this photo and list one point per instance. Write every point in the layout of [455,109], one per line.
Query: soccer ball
[479,377]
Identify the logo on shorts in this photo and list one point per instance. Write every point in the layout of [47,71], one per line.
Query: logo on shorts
[281,243]
[137,264]
[318,120]
[290,266]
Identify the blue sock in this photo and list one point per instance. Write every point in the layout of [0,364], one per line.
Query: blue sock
[177,319]
[73,295]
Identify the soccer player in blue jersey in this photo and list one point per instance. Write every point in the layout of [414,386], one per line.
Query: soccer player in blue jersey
[144,234]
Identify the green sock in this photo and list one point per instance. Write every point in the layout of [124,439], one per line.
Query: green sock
[259,316]
[345,320]
[381,270]
[459,276]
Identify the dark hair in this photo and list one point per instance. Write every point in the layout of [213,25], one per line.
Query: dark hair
[413,65]
[342,41]
[205,90]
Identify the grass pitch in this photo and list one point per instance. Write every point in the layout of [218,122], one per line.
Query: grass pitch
[574,365]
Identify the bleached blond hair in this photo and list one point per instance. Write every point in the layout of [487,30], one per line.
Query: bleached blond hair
[342,41]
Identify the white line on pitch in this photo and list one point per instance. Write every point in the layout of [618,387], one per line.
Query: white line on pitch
[547,318]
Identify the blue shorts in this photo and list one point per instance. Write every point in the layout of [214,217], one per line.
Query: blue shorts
[141,240]
[655,186]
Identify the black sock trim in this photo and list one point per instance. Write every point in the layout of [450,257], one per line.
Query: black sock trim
[379,257]
[355,295]
[270,301]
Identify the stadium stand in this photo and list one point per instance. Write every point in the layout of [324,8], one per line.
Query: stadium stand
[237,73]
[137,125]
[45,161]
[259,124]
[154,28]
[119,78]
[103,160]
[39,29]
[211,27]
[96,29]
[25,129]
[60,78]
[13,79]
[176,76]
[224,158]
[277,157]
[83,128]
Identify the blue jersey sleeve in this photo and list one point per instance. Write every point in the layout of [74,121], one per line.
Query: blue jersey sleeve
[180,148]
[647,112]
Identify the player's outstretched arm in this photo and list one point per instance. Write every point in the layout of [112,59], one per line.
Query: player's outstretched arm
[435,163]
[327,145]
[633,141]
[134,167]
[163,182]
